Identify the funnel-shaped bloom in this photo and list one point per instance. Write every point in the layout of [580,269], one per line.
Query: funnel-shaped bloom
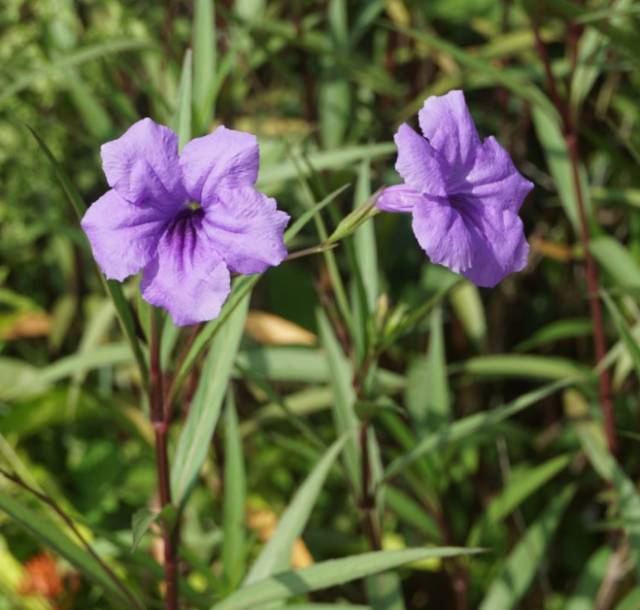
[464,194]
[186,220]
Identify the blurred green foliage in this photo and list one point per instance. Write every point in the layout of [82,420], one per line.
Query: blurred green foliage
[476,411]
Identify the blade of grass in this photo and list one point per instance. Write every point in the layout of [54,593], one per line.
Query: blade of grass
[521,566]
[627,499]
[233,541]
[276,555]
[328,574]
[344,416]
[204,63]
[194,440]
[49,534]
[472,424]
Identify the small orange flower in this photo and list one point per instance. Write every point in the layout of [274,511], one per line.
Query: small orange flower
[42,577]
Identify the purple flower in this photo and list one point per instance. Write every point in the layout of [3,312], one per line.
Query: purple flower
[464,194]
[187,220]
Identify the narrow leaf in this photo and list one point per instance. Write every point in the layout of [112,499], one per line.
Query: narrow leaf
[276,555]
[182,119]
[49,534]
[328,574]
[195,437]
[233,542]
[344,415]
[472,424]
[204,62]
[524,561]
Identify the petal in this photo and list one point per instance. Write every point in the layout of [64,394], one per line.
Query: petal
[484,243]
[247,228]
[123,236]
[495,180]
[441,231]
[224,158]
[399,198]
[142,165]
[418,162]
[500,247]
[446,122]
[187,277]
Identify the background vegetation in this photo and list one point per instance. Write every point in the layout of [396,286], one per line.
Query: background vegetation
[477,411]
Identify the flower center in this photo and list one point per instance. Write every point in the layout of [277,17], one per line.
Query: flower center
[194,206]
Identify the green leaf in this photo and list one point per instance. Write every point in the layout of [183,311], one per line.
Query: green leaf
[364,239]
[437,408]
[302,364]
[591,578]
[140,523]
[467,303]
[411,512]
[24,380]
[555,151]
[317,161]
[617,261]
[521,566]
[19,380]
[623,39]
[61,64]
[276,555]
[233,541]
[241,289]
[627,499]
[601,194]
[344,415]
[471,425]
[625,332]
[384,591]
[98,357]
[322,607]
[195,437]
[520,87]
[49,534]
[631,601]
[521,485]
[182,119]
[351,223]
[168,339]
[305,402]
[204,62]
[568,328]
[308,215]
[334,107]
[522,366]
[328,574]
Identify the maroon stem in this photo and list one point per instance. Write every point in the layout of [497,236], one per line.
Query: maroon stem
[161,427]
[69,522]
[591,270]
[593,287]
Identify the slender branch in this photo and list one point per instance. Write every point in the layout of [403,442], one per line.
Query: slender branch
[591,269]
[313,250]
[51,503]
[161,427]
[173,385]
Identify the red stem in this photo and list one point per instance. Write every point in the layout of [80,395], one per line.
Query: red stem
[591,269]
[161,427]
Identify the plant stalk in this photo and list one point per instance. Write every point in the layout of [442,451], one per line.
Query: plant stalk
[160,424]
[69,522]
[591,269]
